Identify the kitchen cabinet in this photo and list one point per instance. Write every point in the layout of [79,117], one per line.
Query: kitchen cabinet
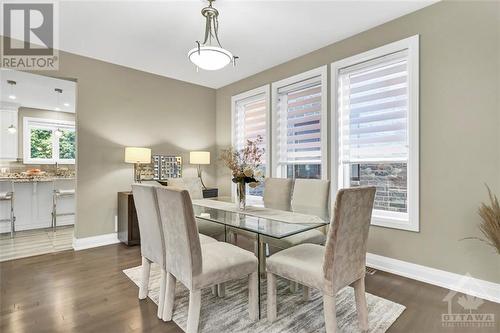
[8,141]
[33,203]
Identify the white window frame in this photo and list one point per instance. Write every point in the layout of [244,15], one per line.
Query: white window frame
[277,170]
[51,124]
[265,89]
[379,217]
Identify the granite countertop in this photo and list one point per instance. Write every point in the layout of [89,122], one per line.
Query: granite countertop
[30,179]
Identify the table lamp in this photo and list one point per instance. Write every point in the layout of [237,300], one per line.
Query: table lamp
[199,158]
[137,156]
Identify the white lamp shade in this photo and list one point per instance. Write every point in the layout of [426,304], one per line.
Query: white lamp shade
[210,58]
[199,157]
[137,155]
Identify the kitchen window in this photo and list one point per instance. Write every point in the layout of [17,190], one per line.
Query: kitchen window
[299,127]
[250,119]
[375,128]
[48,141]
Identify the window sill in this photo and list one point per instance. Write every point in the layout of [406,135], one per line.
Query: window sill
[395,223]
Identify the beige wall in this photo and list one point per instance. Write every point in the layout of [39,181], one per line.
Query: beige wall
[459,129]
[37,113]
[118,107]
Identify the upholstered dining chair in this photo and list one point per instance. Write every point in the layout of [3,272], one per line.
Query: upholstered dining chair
[309,196]
[277,193]
[152,242]
[198,266]
[195,188]
[334,266]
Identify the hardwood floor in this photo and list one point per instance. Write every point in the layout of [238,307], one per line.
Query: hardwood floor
[86,291]
[35,242]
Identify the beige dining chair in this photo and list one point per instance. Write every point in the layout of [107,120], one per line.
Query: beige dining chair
[277,193]
[195,265]
[152,242]
[334,266]
[195,188]
[309,196]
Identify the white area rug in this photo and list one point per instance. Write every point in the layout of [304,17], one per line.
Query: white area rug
[229,314]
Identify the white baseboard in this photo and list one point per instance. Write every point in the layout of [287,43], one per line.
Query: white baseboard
[95,241]
[462,283]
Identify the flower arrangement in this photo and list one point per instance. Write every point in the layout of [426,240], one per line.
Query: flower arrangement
[245,165]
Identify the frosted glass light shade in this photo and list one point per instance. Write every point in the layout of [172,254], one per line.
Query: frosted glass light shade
[199,157]
[210,58]
[137,155]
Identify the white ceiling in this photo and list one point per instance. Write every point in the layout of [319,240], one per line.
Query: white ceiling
[155,36]
[36,91]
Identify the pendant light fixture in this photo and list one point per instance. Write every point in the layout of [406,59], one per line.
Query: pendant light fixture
[12,95]
[206,55]
[58,132]
[12,84]
[12,129]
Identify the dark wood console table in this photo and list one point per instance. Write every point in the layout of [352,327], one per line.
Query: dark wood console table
[128,225]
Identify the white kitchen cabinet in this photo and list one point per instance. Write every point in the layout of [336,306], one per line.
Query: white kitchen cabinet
[8,141]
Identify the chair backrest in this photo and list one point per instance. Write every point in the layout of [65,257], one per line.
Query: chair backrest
[310,196]
[345,251]
[182,242]
[277,193]
[191,184]
[146,205]
[194,187]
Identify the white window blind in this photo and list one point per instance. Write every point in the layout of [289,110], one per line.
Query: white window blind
[250,120]
[373,110]
[376,123]
[299,123]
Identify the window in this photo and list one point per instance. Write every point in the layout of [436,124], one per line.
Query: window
[250,111]
[299,126]
[376,124]
[48,141]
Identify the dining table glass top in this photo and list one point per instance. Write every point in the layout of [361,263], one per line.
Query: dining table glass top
[260,220]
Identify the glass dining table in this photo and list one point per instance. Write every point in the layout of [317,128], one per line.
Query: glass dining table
[260,221]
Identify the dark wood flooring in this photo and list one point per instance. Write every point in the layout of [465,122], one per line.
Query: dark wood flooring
[86,291]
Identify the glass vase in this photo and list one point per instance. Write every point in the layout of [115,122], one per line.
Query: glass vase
[241,191]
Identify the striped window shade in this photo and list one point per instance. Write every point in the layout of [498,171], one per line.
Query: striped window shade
[299,123]
[373,110]
[250,121]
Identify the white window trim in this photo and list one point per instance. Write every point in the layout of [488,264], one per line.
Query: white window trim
[322,72]
[63,124]
[412,45]
[265,89]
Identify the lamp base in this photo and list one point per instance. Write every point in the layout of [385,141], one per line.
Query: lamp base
[137,172]
[201,179]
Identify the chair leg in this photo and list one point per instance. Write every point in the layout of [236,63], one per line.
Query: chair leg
[253,296]
[305,293]
[221,289]
[194,311]
[361,307]
[12,219]
[143,288]
[168,306]
[330,313]
[271,297]
[161,298]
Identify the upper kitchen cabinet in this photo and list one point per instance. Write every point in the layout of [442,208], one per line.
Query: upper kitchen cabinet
[8,135]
